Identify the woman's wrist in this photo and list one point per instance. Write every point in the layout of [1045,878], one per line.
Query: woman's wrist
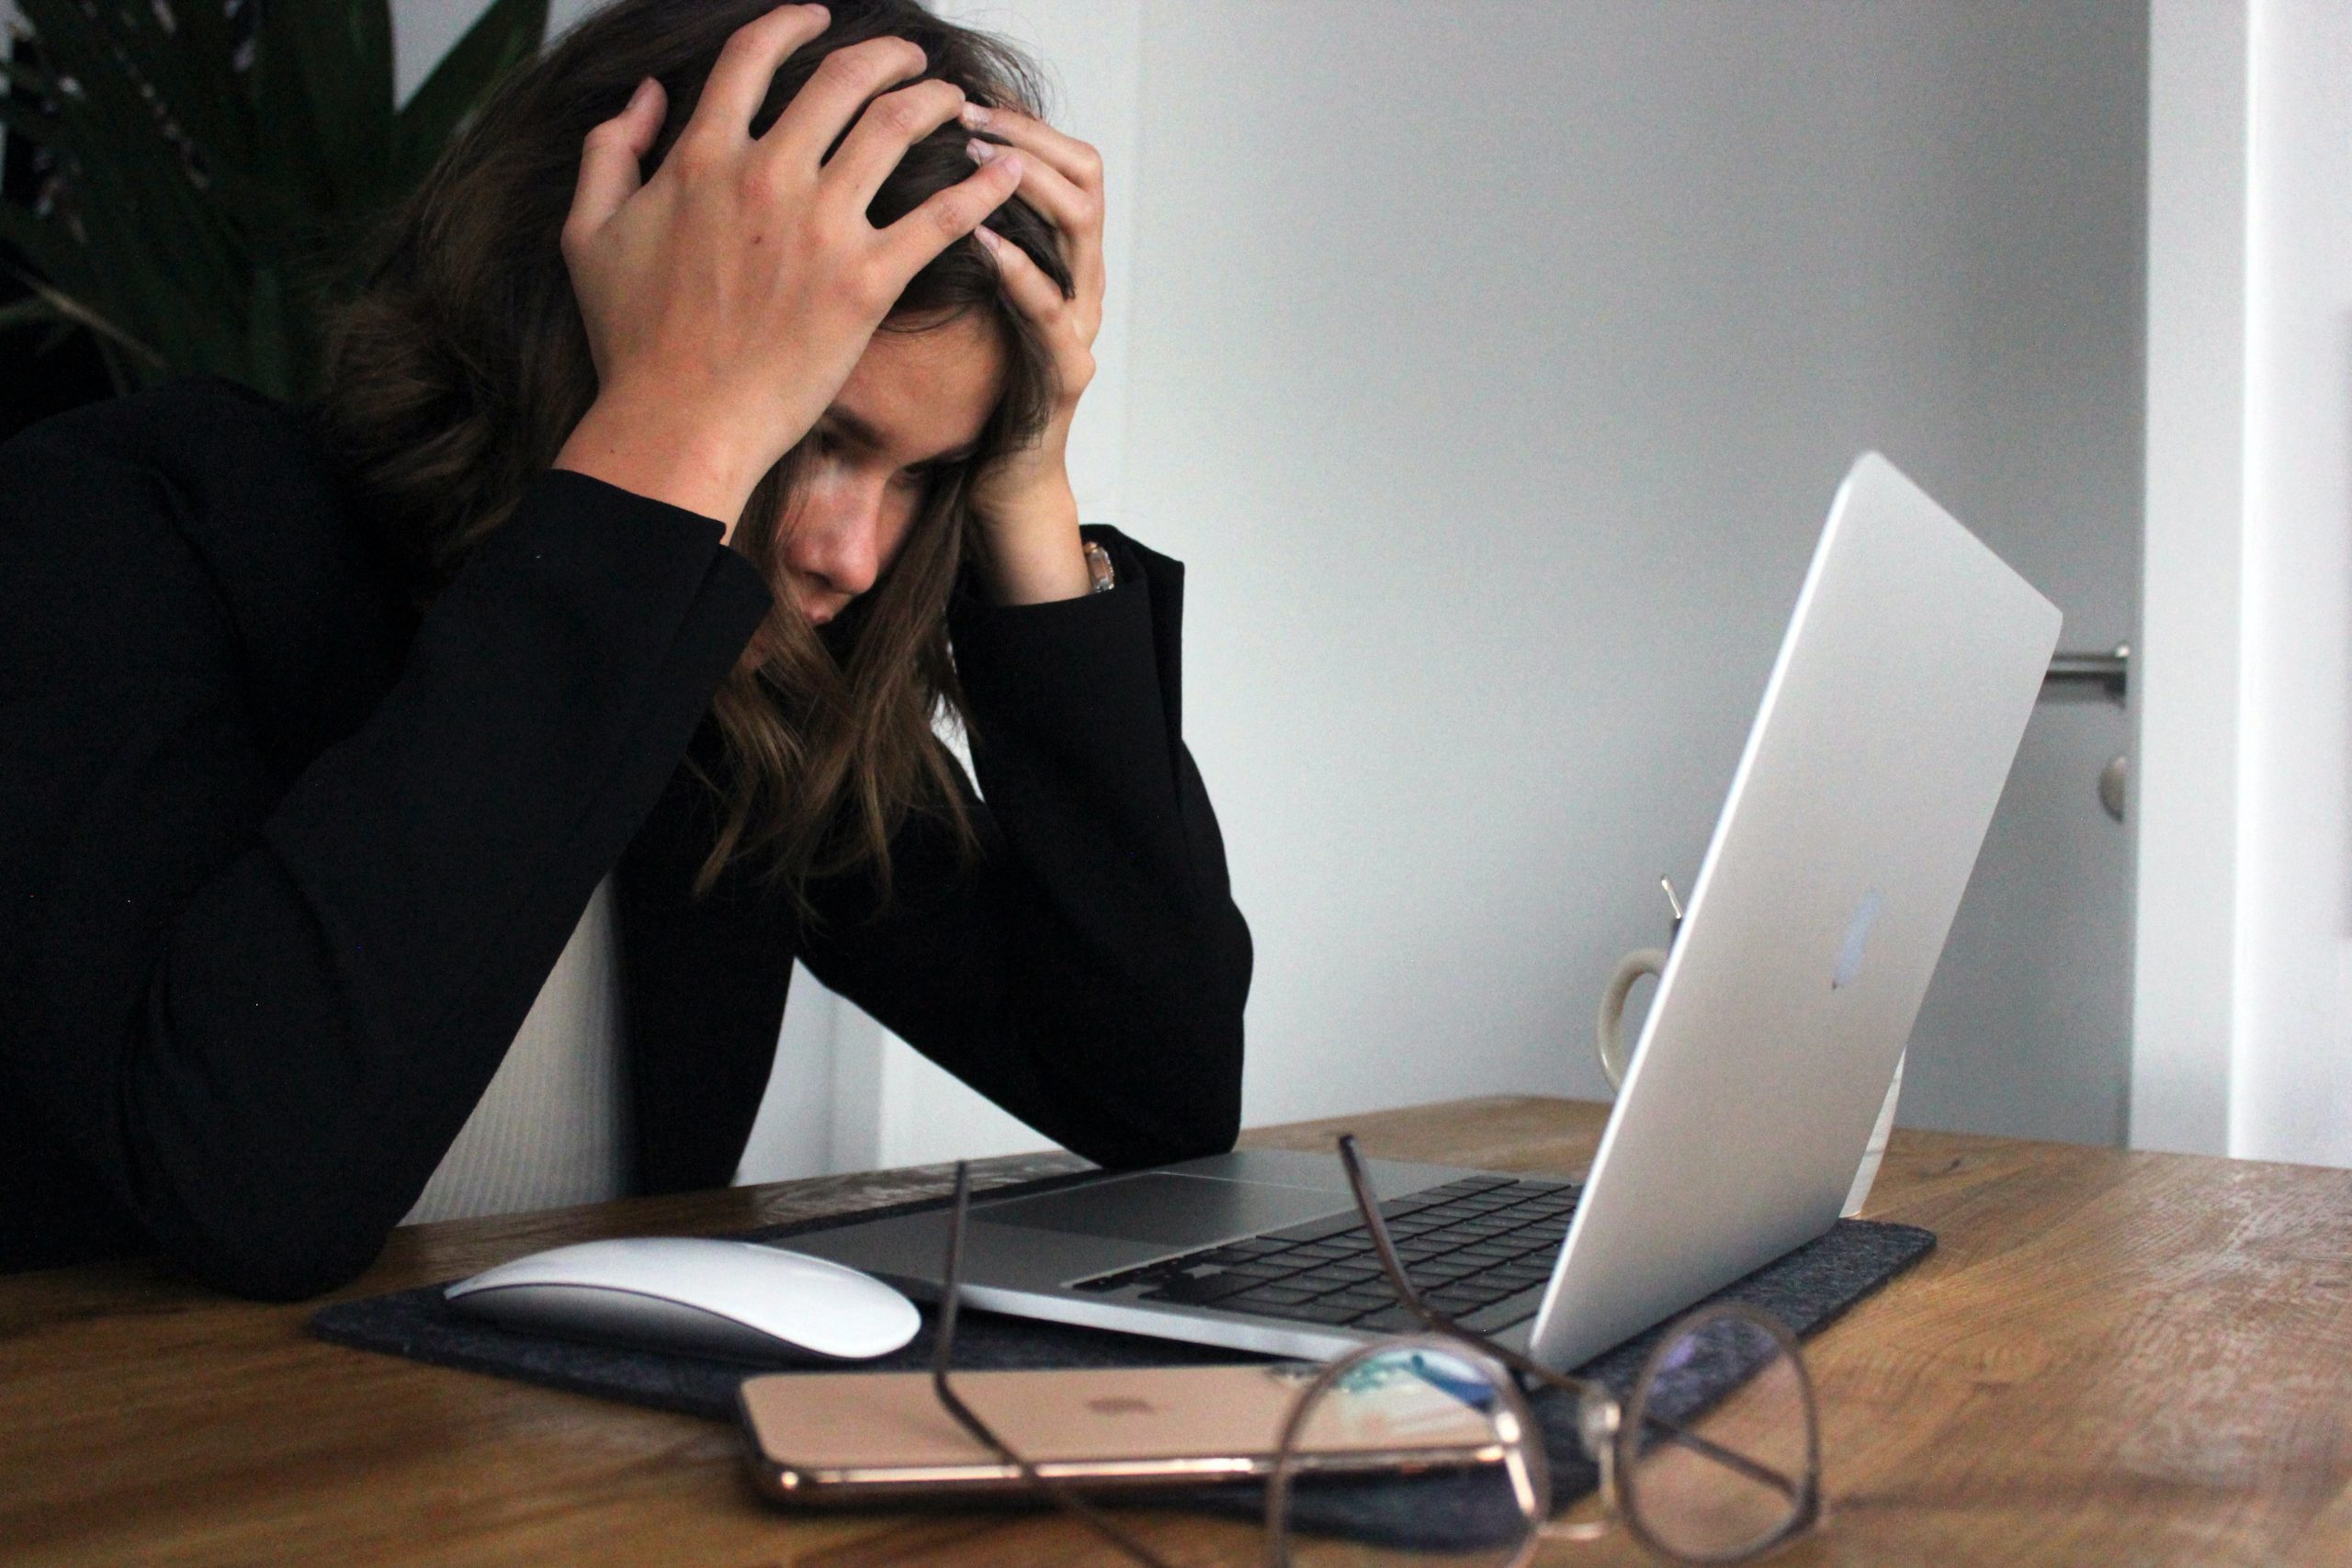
[1033,554]
[664,456]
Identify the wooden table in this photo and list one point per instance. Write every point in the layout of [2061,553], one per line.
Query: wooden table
[2114,1358]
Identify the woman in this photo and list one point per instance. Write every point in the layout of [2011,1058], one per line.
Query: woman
[690,419]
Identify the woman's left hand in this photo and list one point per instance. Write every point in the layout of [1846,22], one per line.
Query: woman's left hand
[1023,499]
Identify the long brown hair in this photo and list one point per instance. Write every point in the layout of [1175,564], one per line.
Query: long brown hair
[458,372]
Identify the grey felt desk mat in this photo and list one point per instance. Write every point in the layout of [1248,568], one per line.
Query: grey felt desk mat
[1806,1289]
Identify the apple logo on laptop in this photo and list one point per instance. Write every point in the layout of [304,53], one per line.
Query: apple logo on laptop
[1857,931]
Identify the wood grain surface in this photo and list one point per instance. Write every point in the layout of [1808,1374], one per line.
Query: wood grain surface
[2113,1358]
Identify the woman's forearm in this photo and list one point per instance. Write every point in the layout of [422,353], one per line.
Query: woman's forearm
[257,994]
[1091,977]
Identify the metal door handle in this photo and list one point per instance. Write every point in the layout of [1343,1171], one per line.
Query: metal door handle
[2111,671]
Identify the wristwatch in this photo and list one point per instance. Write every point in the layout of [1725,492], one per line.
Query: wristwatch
[1098,566]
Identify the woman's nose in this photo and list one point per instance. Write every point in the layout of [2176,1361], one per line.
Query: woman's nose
[840,537]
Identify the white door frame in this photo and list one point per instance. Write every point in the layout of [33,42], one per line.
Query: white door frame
[2242,988]
[2185,680]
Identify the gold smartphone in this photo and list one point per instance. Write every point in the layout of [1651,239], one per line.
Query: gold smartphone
[816,1437]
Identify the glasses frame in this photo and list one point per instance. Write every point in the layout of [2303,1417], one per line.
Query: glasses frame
[1609,1439]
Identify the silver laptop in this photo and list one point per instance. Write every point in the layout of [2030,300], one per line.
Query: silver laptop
[1886,731]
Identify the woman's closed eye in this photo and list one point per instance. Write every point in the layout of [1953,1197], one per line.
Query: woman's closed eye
[825,443]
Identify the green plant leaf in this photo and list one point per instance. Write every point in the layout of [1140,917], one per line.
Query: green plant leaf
[187,65]
[219,210]
[508,33]
[48,249]
[133,193]
[204,51]
[76,45]
[155,244]
[27,80]
[21,117]
[26,312]
[268,350]
[65,306]
[289,154]
[157,260]
[329,66]
[68,45]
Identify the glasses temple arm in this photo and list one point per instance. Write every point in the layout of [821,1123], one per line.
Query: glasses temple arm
[943,1355]
[1368,1208]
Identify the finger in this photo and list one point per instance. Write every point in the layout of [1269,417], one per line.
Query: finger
[1076,215]
[1065,205]
[1075,161]
[738,81]
[611,160]
[878,141]
[832,97]
[1037,296]
[1070,192]
[909,244]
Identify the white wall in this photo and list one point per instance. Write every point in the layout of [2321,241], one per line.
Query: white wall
[2245,946]
[1492,368]
[2186,796]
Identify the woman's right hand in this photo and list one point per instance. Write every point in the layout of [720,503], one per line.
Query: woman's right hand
[728,298]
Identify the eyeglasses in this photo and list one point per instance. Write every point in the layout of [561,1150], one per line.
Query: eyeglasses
[1713,1457]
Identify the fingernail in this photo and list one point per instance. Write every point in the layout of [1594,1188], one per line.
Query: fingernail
[979,151]
[987,236]
[637,99]
[976,116]
[1010,163]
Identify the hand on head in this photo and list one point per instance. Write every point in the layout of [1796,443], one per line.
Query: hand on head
[728,298]
[1062,178]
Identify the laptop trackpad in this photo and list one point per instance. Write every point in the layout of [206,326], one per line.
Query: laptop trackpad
[1172,1211]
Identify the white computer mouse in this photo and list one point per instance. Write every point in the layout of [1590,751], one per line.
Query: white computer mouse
[734,1299]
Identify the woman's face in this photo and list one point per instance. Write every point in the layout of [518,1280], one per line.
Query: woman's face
[916,403]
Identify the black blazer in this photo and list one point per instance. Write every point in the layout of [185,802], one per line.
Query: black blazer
[283,864]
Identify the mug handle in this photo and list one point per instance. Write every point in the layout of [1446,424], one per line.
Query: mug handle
[1609,1025]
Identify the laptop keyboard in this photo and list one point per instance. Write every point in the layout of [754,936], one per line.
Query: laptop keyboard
[1479,1250]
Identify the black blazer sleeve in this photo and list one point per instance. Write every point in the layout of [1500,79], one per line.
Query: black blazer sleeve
[1089,974]
[256,1015]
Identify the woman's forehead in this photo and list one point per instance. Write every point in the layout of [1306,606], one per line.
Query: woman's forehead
[917,395]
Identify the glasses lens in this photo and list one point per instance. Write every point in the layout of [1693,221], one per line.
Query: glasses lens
[1409,1455]
[1713,1475]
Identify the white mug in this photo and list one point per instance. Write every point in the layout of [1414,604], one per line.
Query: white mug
[1609,1044]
